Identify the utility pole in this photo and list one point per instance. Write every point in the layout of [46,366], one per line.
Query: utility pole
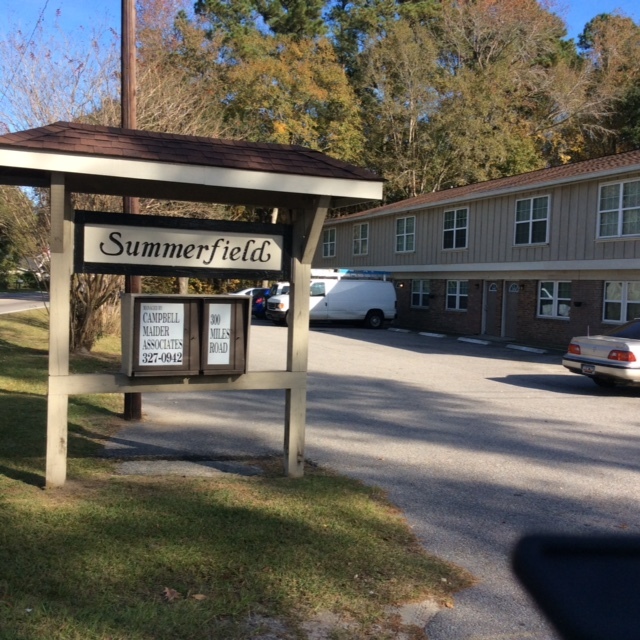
[133,284]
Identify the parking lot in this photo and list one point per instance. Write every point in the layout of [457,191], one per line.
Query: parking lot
[477,444]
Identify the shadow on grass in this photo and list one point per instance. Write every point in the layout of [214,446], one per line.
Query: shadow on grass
[24,424]
[98,564]
[22,475]
[26,364]
[23,433]
[38,320]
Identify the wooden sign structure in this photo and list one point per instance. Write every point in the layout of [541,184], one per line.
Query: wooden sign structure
[305,233]
[71,158]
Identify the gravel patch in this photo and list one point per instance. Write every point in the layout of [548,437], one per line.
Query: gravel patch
[184,468]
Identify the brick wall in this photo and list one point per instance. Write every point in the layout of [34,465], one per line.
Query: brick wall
[437,318]
[585,317]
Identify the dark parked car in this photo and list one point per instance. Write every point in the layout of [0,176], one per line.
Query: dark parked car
[259,304]
[259,297]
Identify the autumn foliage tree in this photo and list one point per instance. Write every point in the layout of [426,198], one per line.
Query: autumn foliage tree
[610,47]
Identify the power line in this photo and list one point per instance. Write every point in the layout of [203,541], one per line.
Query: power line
[15,71]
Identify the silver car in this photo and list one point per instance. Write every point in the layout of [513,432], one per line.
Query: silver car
[610,359]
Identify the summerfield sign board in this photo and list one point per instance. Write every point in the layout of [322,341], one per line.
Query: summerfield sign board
[129,244]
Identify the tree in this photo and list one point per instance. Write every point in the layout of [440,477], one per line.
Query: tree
[610,48]
[51,78]
[23,237]
[452,93]
[295,92]
[57,80]
[628,125]
[404,77]
[298,19]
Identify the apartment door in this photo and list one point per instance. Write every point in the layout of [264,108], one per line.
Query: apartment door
[491,318]
[510,309]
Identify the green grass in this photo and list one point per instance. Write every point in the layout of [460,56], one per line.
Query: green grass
[93,560]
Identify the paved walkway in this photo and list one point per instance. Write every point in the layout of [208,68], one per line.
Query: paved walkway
[477,444]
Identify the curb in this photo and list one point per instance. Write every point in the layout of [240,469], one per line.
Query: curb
[429,334]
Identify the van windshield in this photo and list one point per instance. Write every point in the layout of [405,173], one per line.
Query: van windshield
[279,289]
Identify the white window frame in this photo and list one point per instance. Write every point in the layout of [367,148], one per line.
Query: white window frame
[456,229]
[626,298]
[421,289]
[360,239]
[329,243]
[459,293]
[530,221]
[560,306]
[619,210]
[405,240]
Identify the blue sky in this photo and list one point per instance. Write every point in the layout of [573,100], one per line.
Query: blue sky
[76,13]
[576,13]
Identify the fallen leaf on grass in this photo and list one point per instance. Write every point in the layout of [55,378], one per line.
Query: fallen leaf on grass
[170,595]
[199,596]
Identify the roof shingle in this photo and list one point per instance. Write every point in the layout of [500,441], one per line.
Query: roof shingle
[533,179]
[95,140]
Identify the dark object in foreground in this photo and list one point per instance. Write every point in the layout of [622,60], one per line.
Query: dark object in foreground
[588,587]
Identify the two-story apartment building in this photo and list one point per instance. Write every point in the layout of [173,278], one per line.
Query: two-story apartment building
[538,257]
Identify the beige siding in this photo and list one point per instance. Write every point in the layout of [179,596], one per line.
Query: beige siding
[572,233]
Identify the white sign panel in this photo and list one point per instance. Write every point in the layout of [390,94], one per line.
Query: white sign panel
[181,248]
[161,333]
[219,334]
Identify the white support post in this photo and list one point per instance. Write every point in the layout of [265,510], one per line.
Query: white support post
[61,247]
[306,232]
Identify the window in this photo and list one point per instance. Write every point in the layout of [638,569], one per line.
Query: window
[619,210]
[457,294]
[317,289]
[329,243]
[621,301]
[361,239]
[405,234]
[420,290]
[532,217]
[455,229]
[554,299]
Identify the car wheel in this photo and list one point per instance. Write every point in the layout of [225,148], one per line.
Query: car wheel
[374,319]
[605,383]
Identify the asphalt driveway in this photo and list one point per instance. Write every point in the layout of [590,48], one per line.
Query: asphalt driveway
[477,444]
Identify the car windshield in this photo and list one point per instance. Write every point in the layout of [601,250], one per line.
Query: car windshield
[629,330]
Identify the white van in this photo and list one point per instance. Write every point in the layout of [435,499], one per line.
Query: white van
[278,288]
[370,301]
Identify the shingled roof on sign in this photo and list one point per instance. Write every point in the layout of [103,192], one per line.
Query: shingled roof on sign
[94,140]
